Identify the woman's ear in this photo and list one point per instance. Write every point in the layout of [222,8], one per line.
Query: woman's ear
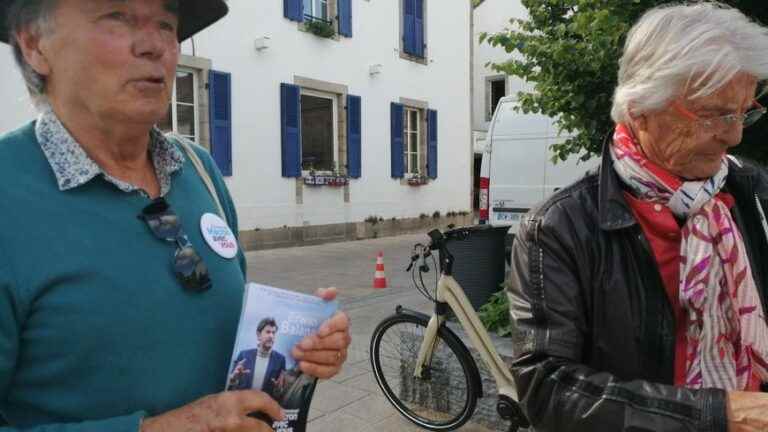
[31,45]
[636,121]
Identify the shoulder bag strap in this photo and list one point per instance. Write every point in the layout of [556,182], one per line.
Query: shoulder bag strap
[204,176]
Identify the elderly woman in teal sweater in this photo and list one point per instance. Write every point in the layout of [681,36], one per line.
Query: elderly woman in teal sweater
[98,332]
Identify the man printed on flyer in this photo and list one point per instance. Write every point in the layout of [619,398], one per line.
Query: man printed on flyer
[259,368]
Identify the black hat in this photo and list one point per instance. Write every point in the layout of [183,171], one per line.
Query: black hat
[194,15]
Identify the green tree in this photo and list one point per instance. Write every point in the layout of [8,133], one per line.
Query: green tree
[569,50]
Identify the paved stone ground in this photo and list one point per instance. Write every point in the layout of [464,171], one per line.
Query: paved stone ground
[351,401]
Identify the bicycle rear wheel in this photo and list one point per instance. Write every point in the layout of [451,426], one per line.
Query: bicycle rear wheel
[446,395]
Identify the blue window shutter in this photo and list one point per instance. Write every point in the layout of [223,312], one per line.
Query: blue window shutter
[293,10]
[354,135]
[290,129]
[418,28]
[345,17]
[432,144]
[409,26]
[398,157]
[220,112]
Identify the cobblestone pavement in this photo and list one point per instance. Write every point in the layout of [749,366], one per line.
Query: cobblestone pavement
[351,401]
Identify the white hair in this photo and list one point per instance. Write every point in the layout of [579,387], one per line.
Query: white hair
[691,48]
[35,16]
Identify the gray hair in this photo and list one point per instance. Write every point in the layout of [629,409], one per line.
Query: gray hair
[35,16]
[673,50]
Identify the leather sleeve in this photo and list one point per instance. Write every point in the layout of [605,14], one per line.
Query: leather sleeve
[557,391]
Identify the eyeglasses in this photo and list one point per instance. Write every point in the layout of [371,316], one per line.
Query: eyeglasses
[723,122]
[188,267]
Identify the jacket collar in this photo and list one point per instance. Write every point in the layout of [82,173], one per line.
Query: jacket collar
[615,212]
[614,209]
[743,173]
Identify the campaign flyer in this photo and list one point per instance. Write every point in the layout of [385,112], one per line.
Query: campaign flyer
[272,321]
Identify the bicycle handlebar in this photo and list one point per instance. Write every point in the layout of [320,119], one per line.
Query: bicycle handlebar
[438,238]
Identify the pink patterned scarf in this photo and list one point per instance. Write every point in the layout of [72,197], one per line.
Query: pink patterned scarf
[727,336]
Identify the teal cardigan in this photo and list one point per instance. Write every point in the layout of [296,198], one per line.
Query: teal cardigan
[95,331]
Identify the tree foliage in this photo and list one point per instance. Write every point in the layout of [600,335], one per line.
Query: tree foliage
[569,50]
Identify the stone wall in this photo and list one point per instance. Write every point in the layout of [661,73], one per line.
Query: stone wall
[319,234]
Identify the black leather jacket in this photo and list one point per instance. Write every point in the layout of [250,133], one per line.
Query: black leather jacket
[595,333]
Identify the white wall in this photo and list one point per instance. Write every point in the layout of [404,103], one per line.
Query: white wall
[15,106]
[492,16]
[264,199]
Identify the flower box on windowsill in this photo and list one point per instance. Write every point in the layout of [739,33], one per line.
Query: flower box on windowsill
[319,27]
[418,180]
[326,180]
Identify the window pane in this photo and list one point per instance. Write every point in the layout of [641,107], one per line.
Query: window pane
[406,124]
[308,7]
[414,163]
[186,117]
[185,87]
[406,164]
[413,143]
[414,120]
[317,133]
[408,142]
[323,8]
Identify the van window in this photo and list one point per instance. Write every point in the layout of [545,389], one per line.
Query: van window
[496,89]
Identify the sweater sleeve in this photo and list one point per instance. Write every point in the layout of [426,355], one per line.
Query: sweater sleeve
[127,423]
[13,310]
[10,319]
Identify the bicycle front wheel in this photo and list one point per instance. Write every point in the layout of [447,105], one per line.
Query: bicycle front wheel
[445,396]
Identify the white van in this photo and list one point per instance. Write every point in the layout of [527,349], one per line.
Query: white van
[517,170]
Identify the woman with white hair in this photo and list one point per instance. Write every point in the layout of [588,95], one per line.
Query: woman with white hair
[639,293]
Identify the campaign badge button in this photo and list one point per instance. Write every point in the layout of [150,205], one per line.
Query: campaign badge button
[218,235]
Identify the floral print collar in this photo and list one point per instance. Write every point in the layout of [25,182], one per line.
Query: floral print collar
[73,167]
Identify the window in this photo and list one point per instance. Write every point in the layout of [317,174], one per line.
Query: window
[319,134]
[316,9]
[414,130]
[183,117]
[325,18]
[496,88]
[413,30]
[311,121]
[412,140]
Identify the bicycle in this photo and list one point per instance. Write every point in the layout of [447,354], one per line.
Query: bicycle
[416,358]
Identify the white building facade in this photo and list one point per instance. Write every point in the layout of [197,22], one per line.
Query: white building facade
[489,86]
[324,111]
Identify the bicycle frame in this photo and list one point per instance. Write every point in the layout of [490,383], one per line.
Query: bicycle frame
[450,292]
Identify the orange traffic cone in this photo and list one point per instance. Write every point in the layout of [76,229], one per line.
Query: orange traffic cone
[379,280]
